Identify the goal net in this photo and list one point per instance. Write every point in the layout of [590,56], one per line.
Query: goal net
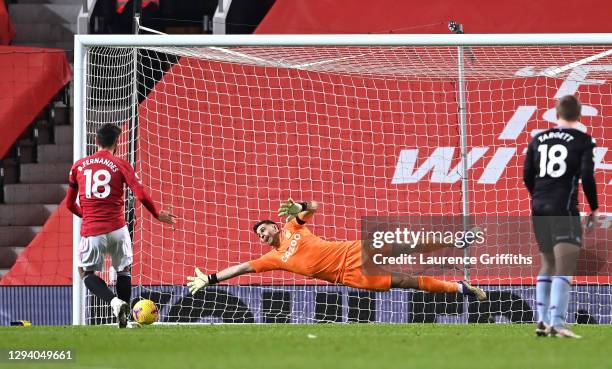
[221,135]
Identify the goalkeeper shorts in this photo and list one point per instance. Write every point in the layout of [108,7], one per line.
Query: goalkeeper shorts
[357,279]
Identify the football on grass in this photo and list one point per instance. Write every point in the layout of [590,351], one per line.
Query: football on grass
[145,312]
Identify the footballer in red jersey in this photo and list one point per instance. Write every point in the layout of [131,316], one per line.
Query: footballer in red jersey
[98,181]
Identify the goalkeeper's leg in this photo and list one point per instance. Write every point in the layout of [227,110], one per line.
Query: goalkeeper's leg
[431,284]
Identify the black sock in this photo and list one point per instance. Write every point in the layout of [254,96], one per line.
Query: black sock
[98,287]
[124,286]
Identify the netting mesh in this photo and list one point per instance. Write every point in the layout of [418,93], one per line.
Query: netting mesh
[224,134]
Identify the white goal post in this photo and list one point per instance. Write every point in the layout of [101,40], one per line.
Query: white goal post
[370,125]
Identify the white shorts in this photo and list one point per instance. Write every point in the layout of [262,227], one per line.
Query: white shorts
[117,244]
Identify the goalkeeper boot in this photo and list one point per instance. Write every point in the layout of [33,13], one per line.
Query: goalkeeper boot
[121,311]
[542,329]
[563,332]
[471,291]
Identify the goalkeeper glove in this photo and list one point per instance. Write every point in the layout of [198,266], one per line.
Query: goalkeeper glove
[198,282]
[290,208]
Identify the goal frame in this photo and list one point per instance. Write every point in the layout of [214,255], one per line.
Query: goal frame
[81,42]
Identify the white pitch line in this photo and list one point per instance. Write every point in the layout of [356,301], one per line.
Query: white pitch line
[556,71]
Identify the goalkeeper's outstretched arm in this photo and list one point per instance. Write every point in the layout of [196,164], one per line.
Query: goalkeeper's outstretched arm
[268,232]
[201,280]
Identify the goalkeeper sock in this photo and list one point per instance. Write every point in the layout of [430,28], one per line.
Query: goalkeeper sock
[431,284]
[124,286]
[559,299]
[543,286]
[98,287]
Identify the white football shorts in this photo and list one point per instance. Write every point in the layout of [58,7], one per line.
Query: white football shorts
[117,244]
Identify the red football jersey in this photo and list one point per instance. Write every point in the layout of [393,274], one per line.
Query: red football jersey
[100,180]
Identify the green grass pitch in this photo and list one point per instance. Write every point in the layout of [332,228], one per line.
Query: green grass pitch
[314,346]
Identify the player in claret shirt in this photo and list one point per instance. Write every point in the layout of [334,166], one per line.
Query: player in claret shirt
[98,180]
[296,249]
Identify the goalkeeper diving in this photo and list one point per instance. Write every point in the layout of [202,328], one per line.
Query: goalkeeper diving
[296,249]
